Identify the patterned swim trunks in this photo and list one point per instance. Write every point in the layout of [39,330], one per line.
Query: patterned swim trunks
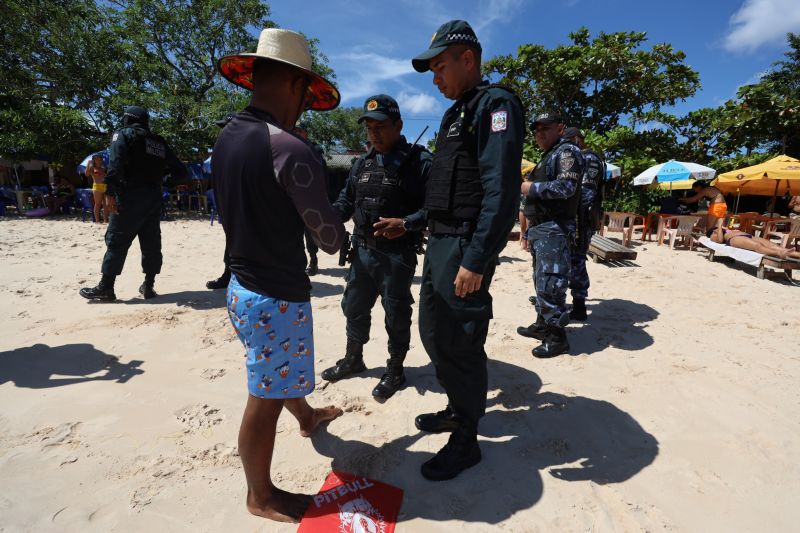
[278,338]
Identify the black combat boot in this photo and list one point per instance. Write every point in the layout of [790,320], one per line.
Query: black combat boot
[313,267]
[460,452]
[353,363]
[103,292]
[555,343]
[537,330]
[578,309]
[392,380]
[146,289]
[441,422]
[221,282]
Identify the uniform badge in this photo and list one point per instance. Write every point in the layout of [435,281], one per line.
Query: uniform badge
[499,121]
[434,37]
[114,137]
[592,172]
[372,105]
[566,159]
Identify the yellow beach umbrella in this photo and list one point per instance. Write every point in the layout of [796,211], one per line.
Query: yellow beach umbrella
[771,178]
[527,166]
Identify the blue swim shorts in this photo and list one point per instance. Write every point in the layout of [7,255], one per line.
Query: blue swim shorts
[278,338]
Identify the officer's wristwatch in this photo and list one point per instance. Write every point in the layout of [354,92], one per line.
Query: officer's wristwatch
[406,224]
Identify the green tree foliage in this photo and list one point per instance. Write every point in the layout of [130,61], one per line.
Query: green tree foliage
[598,84]
[336,130]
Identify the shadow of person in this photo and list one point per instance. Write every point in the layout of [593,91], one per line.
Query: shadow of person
[612,323]
[523,433]
[320,289]
[37,366]
[206,299]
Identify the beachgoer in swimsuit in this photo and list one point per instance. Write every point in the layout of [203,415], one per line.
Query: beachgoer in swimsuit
[746,241]
[794,207]
[717,208]
[97,172]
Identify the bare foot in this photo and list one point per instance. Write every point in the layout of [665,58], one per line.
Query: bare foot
[320,415]
[281,506]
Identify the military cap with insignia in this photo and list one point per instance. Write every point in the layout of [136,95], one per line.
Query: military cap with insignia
[449,33]
[380,107]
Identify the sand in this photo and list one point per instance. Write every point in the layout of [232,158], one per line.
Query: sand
[677,409]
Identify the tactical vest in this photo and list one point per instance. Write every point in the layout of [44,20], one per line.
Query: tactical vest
[379,192]
[454,192]
[146,159]
[593,179]
[539,211]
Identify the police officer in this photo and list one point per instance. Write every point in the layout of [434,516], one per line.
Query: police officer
[590,217]
[138,161]
[222,281]
[385,186]
[553,197]
[471,201]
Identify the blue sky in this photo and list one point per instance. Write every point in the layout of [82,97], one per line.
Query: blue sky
[370,44]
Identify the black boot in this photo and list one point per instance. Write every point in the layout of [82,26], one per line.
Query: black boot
[537,330]
[555,343]
[353,363]
[392,380]
[221,282]
[313,267]
[460,452]
[441,422]
[146,289]
[578,309]
[103,292]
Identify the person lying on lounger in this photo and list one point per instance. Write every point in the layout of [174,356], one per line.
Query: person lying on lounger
[746,241]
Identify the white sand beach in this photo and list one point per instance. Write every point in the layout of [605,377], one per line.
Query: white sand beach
[677,410]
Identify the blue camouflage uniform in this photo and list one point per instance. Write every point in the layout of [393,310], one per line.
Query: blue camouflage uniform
[590,216]
[551,209]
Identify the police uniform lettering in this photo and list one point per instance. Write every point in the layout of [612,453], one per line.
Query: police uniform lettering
[555,192]
[155,148]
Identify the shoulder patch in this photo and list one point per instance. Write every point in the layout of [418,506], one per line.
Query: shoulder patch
[114,137]
[566,159]
[499,121]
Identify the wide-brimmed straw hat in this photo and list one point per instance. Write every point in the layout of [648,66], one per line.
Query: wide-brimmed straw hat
[286,47]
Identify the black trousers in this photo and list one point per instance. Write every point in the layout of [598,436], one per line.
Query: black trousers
[311,246]
[387,273]
[453,329]
[139,211]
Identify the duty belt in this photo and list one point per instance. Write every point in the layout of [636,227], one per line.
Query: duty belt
[453,228]
[382,244]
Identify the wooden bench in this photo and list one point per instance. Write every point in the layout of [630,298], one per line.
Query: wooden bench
[603,249]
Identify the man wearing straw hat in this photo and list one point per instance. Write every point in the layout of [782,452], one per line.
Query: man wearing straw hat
[270,186]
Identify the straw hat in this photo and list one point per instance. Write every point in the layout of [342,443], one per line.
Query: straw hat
[287,47]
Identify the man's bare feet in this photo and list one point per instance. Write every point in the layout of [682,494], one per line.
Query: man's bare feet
[320,415]
[280,506]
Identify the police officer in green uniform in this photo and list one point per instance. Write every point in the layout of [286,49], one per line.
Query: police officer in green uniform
[386,187]
[471,203]
[138,161]
[590,218]
[553,197]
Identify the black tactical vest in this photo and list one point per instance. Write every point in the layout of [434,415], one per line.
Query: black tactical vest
[539,211]
[379,192]
[146,160]
[454,193]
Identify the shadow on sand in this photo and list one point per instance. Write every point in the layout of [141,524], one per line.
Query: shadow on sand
[41,366]
[571,438]
[612,323]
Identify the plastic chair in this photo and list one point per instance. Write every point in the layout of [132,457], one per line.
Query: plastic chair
[85,202]
[212,205]
[684,230]
[623,223]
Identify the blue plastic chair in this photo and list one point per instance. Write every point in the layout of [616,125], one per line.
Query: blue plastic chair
[86,202]
[212,205]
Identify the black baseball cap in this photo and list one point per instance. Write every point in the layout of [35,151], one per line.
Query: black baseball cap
[572,132]
[547,117]
[135,114]
[380,107]
[224,120]
[449,33]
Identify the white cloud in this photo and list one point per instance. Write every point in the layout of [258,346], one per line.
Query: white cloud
[761,22]
[364,74]
[418,104]
[491,11]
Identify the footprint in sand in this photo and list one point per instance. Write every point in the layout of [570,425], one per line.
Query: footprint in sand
[212,373]
[198,417]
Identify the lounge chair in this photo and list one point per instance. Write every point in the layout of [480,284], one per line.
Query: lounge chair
[602,249]
[748,257]
[684,230]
